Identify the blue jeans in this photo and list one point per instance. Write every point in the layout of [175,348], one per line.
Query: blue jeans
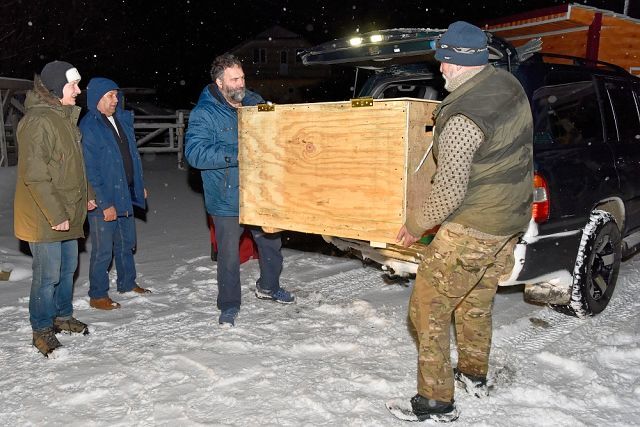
[54,265]
[228,232]
[111,240]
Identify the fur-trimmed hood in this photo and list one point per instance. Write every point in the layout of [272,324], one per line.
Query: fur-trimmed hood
[41,95]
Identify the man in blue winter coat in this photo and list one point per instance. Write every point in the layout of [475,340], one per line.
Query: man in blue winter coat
[114,170]
[212,146]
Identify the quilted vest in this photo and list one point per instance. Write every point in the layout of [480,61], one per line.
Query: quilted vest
[500,191]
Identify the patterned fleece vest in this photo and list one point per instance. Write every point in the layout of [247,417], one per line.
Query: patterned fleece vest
[500,191]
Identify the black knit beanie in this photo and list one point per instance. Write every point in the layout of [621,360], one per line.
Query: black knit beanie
[56,74]
[463,44]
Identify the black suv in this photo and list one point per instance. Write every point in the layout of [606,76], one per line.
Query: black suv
[586,212]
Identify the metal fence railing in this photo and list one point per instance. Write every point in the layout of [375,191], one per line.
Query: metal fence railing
[11,109]
[154,133]
[161,134]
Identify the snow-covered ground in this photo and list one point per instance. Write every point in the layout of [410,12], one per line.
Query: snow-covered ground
[333,358]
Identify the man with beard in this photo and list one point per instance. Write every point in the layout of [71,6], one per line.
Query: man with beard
[212,147]
[481,194]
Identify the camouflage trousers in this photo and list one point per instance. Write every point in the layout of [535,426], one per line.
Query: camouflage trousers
[458,276]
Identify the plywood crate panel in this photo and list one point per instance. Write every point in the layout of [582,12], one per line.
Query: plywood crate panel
[334,169]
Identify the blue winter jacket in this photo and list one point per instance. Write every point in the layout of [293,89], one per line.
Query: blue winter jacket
[212,146]
[103,161]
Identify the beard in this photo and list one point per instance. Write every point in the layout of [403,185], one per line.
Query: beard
[447,83]
[236,94]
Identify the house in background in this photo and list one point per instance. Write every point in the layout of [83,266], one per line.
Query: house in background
[577,30]
[273,67]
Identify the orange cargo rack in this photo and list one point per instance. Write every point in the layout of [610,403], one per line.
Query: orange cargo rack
[577,30]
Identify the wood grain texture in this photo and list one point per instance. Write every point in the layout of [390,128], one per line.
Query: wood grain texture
[328,168]
[620,43]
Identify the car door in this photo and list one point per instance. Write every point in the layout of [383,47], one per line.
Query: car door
[569,147]
[622,127]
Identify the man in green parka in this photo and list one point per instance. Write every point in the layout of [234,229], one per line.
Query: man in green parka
[51,200]
[482,194]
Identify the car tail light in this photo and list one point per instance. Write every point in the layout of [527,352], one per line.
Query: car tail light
[540,212]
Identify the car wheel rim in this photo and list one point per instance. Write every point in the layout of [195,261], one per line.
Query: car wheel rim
[602,267]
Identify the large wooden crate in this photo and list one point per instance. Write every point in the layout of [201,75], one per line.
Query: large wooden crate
[336,168]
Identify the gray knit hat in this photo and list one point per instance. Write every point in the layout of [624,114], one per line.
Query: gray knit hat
[463,44]
[56,74]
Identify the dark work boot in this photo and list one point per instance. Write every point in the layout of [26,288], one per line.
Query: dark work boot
[429,409]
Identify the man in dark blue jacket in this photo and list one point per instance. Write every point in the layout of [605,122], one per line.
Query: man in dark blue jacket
[212,146]
[114,170]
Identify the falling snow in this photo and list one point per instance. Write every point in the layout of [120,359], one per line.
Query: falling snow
[333,358]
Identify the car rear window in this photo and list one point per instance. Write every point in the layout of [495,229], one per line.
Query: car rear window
[565,111]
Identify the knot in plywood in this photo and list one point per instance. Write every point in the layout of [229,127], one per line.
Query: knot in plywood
[310,150]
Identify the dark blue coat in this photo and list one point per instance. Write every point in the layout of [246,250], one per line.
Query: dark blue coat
[103,161]
[212,146]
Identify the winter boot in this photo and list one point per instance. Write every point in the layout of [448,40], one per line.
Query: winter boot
[105,303]
[228,317]
[433,409]
[419,408]
[279,295]
[473,384]
[137,289]
[70,325]
[45,341]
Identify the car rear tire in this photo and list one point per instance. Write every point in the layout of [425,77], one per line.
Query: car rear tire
[597,265]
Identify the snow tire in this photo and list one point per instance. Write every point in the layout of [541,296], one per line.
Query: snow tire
[597,265]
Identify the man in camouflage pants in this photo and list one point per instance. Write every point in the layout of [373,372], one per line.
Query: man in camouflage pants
[481,194]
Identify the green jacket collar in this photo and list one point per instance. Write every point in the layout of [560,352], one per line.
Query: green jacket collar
[486,72]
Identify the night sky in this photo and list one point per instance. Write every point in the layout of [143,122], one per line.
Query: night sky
[169,45]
